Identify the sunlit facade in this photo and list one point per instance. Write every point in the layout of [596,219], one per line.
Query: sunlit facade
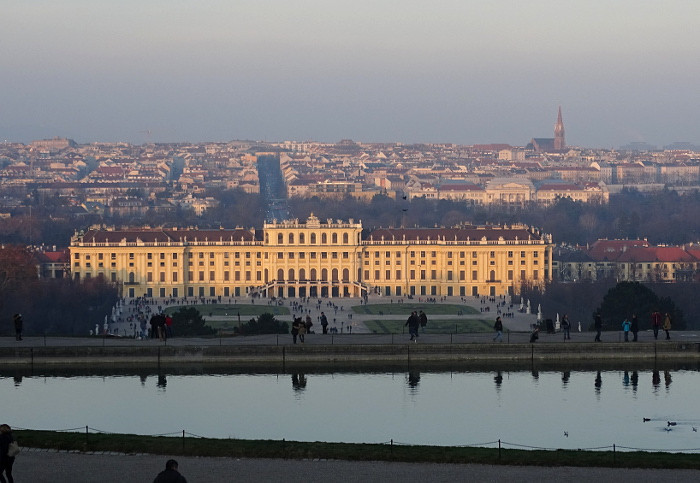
[315,258]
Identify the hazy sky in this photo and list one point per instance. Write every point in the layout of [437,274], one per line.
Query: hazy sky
[457,71]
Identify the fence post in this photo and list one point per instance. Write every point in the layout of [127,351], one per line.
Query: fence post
[391,446]
[86,435]
[183,439]
[499,449]
[614,454]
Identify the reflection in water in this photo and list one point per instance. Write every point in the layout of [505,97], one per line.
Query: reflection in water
[535,374]
[162,380]
[413,379]
[18,381]
[143,378]
[655,379]
[667,379]
[498,379]
[626,379]
[298,381]
[635,380]
[565,377]
[598,382]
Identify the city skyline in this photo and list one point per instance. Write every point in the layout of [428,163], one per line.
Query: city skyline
[458,72]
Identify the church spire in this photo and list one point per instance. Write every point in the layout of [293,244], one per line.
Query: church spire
[559,142]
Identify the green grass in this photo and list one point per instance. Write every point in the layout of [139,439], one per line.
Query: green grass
[409,306]
[246,310]
[435,326]
[236,448]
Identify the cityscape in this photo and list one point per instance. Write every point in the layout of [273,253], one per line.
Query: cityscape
[365,240]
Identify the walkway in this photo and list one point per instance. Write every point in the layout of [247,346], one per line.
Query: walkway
[40,465]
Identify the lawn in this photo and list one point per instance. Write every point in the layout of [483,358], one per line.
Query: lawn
[232,310]
[407,307]
[435,326]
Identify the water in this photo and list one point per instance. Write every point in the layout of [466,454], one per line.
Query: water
[548,408]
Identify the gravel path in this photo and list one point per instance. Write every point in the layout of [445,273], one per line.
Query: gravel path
[51,466]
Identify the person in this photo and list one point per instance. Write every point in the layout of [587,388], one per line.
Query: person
[308,324]
[18,326]
[656,323]
[667,326]
[535,335]
[168,326]
[302,330]
[6,462]
[598,323]
[295,329]
[170,474]
[324,323]
[413,322]
[498,327]
[626,324]
[566,327]
[423,320]
[635,327]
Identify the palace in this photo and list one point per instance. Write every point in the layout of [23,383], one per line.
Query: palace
[315,259]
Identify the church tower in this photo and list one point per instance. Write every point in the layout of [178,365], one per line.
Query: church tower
[559,143]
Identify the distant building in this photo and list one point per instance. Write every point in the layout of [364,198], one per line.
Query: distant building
[555,144]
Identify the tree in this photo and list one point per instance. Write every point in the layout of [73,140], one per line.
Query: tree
[628,298]
[187,321]
[266,324]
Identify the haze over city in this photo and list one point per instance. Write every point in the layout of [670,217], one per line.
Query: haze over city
[380,71]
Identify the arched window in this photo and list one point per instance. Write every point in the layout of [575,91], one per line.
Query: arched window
[334,238]
[324,275]
[313,274]
[280,238]
[313,238]
[291,238]
[131,277]
[334,275]
[280,275]
[302,274]
[267,238]
[291,274]
[324,238]
[266,276]
[346,275]
[302,239]
[345,238]
[492,275]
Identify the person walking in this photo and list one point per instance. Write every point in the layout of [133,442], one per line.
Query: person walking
[19,325]
[667,326]
[295,329]
[170,474]
[566,327]
[626,324]
[324,323]
[423,320]
[598,323]
[498,327]
[635,327]
[413,322]
[656,323]
[6,461]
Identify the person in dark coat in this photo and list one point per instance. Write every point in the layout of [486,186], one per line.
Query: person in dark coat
[635,327]
[6,462]
[170,474]
[19,324]
[598,322]
[413,323]
[324,323]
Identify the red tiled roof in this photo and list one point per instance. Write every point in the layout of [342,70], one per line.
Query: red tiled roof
[165,235]
[612,249]
[451,234]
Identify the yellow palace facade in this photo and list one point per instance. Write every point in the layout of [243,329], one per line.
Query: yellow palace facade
[314,258]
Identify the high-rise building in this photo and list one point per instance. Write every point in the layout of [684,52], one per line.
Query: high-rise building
[559,142]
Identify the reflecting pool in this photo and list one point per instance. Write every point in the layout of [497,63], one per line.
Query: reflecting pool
[552,408]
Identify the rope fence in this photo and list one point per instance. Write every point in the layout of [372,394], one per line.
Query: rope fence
[497,444]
